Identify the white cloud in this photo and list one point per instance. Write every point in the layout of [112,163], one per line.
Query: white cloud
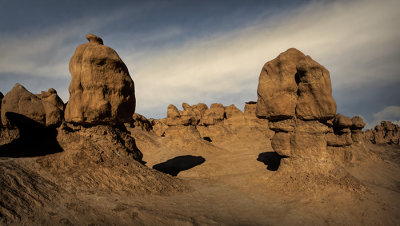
[358,41]
[352,39]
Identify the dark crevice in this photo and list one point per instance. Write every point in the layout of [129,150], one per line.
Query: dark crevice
[207,139]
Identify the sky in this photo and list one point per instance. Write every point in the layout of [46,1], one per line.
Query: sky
[209,51]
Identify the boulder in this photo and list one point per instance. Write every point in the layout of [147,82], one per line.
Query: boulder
[340,121]
[101,89]
[281,143]
[23,104]
[294,85]
[357,123]
[45,109]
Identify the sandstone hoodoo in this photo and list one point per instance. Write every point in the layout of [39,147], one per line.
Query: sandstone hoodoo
[294,85]
[45,109]
[101,90]
[385,133]
[295,95]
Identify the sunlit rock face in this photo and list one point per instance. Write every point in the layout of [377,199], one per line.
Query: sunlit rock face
[294,85]
[295,95]
[45,108]
[101,90]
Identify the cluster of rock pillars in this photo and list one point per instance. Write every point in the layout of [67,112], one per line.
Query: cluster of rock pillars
[294,100]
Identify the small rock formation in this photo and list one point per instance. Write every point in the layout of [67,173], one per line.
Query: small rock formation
[45,109]
[198,123]
[385,133]
[295,95]
[357,135]
[101,90]
[213,115]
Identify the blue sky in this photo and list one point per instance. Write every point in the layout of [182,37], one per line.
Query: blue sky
[209,51]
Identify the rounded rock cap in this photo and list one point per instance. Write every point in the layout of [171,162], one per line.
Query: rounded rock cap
[94,39]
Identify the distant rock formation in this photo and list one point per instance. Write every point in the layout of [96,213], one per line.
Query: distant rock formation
[206,124]
[295,95]
[101,90]
[385,133]
[45,109]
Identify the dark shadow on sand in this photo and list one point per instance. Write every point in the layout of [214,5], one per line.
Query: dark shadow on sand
[34,140]
[178,164]
[271,159]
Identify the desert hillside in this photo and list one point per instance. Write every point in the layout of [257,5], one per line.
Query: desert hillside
[288,158]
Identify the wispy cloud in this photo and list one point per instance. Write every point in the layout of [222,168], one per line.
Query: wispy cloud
[358,42]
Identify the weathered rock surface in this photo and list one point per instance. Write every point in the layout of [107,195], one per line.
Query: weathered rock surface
[22,102]
[207,124]
[295,95]
[139,121]
[45,109]
[101,90]
[233,112]
[53,106]
[385,133]
[213,115]
[294,85]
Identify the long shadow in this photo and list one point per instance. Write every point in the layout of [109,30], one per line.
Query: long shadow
[34,140]
[271,159]
[178,164]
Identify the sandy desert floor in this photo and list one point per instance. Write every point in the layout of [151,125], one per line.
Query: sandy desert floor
[230,186]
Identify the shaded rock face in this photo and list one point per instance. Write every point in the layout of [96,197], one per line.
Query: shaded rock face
[45,109]
[294,85]
[101,90]
[385,133]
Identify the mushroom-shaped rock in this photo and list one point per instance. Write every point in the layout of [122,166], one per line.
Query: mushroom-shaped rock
[341,121]
[293,84]
[101,90]
[357,123]
[22,104]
